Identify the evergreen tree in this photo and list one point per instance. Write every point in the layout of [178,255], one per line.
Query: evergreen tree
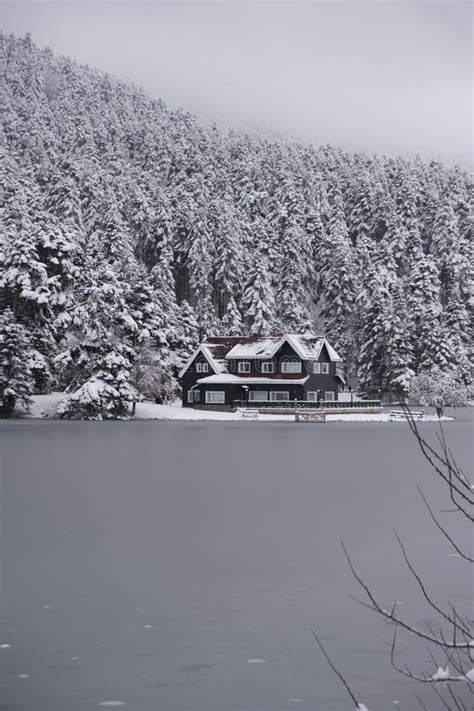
[340,290]
[258,301]
[16,379]
[108,393]
[374,307]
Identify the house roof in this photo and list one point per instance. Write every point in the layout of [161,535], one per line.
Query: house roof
[244,380]
[217,350]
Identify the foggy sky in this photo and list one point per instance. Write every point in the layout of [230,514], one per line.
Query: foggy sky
[382,76]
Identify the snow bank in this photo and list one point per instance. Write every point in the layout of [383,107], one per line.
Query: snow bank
[380,417]
[45,405]
[150,411]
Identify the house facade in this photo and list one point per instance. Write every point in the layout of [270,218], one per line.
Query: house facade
[225,372]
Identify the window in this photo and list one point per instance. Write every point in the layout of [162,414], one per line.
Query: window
[329,395]
[194,396]
[190,396]
[268,367]
[215,397]
[279,395]
[243,367]
[325,368]
[291,367]
[259,395]
[202,367]
[312,395]
[316,368]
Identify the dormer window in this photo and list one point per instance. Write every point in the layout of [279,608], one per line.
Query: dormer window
[268,367]
[243,367]
[202,367]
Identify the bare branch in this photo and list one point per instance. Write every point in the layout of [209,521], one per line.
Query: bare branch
[443,531]
[376,607]
[335,670]
[422,587]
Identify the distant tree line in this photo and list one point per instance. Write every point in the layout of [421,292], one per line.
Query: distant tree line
[129,232]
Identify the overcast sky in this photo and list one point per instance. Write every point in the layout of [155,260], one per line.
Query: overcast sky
[383,76]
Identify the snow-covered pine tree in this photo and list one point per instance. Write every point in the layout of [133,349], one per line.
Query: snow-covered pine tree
[374,313]
[340,288]
[16,378]
[258,301]
[109,393]
[293,284]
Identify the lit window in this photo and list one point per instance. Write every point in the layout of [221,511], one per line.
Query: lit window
[291,367]
[268,367]
[215,397]
[316,368]
[259,395]
[243,367]
[279,395]
[325,368]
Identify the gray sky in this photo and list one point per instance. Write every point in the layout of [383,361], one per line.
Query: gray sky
[383,76]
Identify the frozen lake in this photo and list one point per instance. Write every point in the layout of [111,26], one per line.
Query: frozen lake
[181,565]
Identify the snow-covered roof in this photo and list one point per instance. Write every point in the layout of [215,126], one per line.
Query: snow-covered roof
[258,347]
[308,347]
[206,352]
[243,380]
[218,350]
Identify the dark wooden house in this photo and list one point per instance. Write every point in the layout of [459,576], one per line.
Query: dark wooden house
[226,372]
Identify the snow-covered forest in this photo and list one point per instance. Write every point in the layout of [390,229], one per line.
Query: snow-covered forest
[130,231]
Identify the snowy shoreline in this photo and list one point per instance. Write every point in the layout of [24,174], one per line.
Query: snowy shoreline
[44,406]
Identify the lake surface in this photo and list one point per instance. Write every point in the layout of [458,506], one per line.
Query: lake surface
[181,565]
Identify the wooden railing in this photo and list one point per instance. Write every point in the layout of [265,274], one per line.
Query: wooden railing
[307,404]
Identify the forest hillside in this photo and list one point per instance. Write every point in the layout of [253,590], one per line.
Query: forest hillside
[129,232]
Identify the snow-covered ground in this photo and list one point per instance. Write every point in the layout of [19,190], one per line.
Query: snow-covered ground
[45,405]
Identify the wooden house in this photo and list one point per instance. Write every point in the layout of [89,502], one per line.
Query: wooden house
[226,372]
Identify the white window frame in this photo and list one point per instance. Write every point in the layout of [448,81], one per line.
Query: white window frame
[268,366]
[331,393]
[275,393]
[190,397]
[202,367]
[291,366]
[325,368]
[211,397]
[243,366]
[312,396]
[316,368]
[262,395]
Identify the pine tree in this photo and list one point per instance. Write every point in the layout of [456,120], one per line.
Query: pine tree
[340,290]
[258,302]
[108,393]
[293,297]
[374,307]
[16,379]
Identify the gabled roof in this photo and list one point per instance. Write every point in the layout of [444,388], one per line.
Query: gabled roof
[308,347]
[217,350]
[206,352]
